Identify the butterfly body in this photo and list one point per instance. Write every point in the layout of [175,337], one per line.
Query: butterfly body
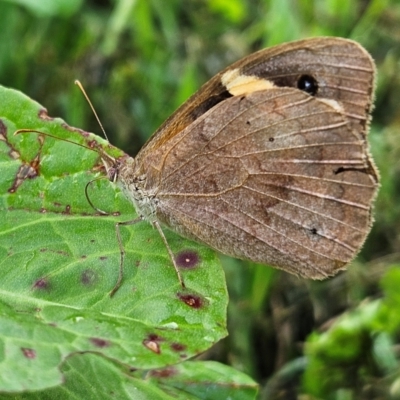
[269,160]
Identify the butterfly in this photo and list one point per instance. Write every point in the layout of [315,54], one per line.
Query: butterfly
[268,161]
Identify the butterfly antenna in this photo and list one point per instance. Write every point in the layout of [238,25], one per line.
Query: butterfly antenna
[78,83]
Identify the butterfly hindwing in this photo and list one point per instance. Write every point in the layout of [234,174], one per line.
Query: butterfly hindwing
[275,176]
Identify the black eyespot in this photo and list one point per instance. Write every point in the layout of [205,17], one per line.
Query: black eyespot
[271,139]
[314,231]
[308,84]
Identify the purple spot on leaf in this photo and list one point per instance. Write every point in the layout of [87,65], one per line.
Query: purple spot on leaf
[155,337]
[28,353]
[187,259]
[41,284]
[178,347]
[88,277]
[100,342]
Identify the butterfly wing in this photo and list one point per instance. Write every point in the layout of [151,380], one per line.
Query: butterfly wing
[275,176]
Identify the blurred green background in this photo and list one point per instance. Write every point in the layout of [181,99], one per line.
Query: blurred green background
[139,60]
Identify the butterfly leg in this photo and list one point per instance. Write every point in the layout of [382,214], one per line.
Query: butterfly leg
[171,255]
[122,252]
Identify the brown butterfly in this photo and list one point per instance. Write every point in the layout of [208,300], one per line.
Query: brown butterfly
[268,161]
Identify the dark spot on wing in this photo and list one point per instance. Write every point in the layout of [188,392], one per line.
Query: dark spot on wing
[308,84]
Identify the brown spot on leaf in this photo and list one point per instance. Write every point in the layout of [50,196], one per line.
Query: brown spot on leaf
[98,342]
[152,342]
[14,154]
[187,259]
[163,373]
[92,144]
[178,347]
[3,131]
[28,353]
[152,345]
[44,115]
[25,171]
[192,300]
[67,209]
[155,337]
[73,129]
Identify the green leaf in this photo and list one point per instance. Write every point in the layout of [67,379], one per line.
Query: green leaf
[88,376]
[346,353]
[205,380]
[389,320]
[49,8]
[59,260]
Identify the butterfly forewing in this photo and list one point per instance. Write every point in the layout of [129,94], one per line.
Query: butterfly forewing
[342,69]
